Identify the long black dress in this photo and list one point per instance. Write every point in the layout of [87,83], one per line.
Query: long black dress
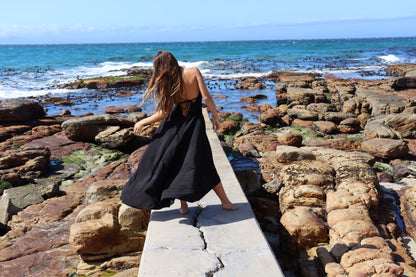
[177,164]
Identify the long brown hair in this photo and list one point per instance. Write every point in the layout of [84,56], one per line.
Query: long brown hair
[166,81]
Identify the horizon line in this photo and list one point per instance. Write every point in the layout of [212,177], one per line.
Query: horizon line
[201,41]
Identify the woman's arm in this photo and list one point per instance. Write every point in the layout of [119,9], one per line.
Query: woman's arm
[158,116]
[208,99]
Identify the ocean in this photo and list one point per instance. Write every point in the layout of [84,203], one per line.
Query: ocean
[35,70]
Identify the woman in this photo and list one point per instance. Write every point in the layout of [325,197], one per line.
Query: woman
[178,162]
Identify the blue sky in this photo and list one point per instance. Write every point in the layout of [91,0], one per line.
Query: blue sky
[105,21]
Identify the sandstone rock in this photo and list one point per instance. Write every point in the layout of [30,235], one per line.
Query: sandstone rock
[245,147]
[286,154]
[349,125]
[273,187]
[104,189]
[299,112]
[321,108]
[340,159]
[403,123]
[22,197]
[250,83]
[351,232]
[334,270]
[404,83]
[336,216]
[133,221]
[385,148]
[87,127]
[248,180]
[326,127]
[305,95]
[336,117]
[20,110]
[114,137]
[260,141]
[356,105]
[229,127]
[136,116]
[290,139]
[376,129]
[264,107]
[306,227]
[303,123]
[399,70]
[270,117]
[339,144]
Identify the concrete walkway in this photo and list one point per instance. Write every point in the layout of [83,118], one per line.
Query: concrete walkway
[208,241]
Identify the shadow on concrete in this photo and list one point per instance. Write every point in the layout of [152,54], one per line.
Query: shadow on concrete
[206,216]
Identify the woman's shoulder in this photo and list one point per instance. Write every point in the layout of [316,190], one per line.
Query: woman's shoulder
[191,71]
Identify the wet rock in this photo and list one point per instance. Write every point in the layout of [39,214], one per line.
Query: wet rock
[250,83]
[88,127]
[20,110]
[385,148]
[7,132]
[399,70]
[248,180]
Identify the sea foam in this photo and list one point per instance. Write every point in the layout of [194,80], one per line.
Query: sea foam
[390,58]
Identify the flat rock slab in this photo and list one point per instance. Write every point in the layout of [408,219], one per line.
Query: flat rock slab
[208,241]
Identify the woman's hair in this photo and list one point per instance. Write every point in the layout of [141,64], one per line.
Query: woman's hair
[166,81]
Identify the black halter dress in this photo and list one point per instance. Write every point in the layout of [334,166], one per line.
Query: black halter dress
[177,163]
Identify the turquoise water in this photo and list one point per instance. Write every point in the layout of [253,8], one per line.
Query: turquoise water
[33,70]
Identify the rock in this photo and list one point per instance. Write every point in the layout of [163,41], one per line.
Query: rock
[339,144]
[20,110]
[300,112]
[104,189]
[405,124]
[336,216]
[321,108]
[336,117]
[97,231]
[250,83]
[136,116]
[88,127]
[356,105]
[114,137]
[399,70]
[350,126]
[325,127]
[351,232]
[264,107]
[248,180]
[305,226]
[273,187]
[229,127]
[305,95]
[259,140]
[376,129]
[385,148]
[286,154]
[6,210]
[270,117]
[22,197]
[404,83]
[245,147]
[290,139]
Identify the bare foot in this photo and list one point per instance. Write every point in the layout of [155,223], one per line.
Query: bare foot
[229,206]
[184,208]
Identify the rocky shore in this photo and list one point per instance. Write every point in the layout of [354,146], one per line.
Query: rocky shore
[334,194]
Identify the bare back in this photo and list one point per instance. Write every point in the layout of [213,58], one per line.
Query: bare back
[189,85]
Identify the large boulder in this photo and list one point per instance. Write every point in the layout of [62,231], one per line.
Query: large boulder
[404,123]
[88,127]
[307,228]
[385,148]
[20,110]
[24,196]
[376,129]
[404,83]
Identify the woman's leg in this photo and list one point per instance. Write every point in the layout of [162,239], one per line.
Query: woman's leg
[225,202]
[184,207]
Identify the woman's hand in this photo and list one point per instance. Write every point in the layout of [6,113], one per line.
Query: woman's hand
[138,127]
[216,124]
